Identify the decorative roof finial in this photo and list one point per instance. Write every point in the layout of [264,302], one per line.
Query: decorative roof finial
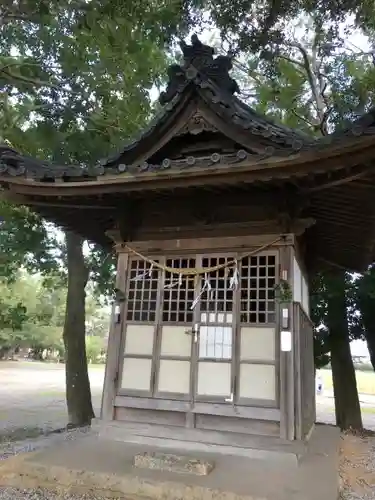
[199,66]
[197,54]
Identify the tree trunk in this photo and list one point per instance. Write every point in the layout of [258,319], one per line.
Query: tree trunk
[370,339]
[78,393]
[347,407]
[366,304]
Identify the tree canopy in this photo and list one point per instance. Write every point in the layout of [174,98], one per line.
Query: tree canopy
[261,27]
[75,81]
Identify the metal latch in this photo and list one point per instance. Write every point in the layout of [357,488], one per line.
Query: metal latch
[194,331]
[230,399]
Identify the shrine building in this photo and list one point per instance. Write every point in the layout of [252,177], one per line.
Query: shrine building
[219,218]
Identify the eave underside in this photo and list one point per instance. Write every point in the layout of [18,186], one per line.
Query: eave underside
[344,215]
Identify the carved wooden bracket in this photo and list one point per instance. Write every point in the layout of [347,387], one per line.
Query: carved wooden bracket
[197,124]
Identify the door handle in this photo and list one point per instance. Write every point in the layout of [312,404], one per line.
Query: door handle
[194,331]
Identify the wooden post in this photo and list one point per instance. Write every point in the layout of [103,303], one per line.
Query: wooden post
[297,371]
[287,429]
[114,344]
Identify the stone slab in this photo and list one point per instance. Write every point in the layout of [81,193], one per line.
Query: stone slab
[106,467]
[262,448]
[172,463]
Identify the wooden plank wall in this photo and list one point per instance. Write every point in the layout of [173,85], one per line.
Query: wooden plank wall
[305,372]
[203,422]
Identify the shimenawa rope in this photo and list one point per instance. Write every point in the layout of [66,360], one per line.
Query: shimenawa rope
[195,271]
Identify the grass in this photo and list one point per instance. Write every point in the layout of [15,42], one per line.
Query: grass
[368,409]
[365,381]
[19,434]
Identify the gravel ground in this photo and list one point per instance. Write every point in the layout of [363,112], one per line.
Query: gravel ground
[12,448]
[32,402]
[32,395]
[39,494]
[357,467]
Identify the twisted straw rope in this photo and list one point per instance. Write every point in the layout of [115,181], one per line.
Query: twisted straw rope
[195,271]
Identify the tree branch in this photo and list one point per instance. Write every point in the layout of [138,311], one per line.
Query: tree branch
[7,15]
[33,81]
[302,118]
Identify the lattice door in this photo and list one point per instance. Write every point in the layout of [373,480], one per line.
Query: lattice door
[174,380]
[214,380]
[140,329]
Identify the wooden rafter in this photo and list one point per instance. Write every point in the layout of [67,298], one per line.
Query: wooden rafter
[342,178]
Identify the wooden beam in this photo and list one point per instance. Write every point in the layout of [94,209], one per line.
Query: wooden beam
[229,229]
[112,376]
[173,245]
[344,179]
[129,217]
[20,199]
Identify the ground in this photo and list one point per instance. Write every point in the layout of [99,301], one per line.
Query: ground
[365,381]
[32,397]
[357,467]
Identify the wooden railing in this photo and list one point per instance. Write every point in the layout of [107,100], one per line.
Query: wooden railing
[304,371]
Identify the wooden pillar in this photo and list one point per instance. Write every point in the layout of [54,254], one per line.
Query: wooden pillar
[297,371]
[112,374]
[287,409]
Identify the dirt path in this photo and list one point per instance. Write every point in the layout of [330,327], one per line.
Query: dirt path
[32,395]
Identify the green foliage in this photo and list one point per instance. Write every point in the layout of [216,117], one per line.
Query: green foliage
[74,86]
[312,81]
[315,81]
[32,313]
[25,240]
[97,315]
[75,78]
[283,292]
[255,26]
[95,349]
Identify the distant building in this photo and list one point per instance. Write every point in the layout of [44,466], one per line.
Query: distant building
[359,350]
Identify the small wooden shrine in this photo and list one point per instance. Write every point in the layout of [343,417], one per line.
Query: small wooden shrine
[219,217]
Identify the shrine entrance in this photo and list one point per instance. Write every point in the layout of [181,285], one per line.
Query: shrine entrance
[206,335]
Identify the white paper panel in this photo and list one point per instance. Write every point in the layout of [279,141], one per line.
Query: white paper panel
[136,374]
[257,343]
[257,382]
[174,376]
[214,379]
[216,318]
[297,282]
[175,342]
[139,339]
[215,342]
